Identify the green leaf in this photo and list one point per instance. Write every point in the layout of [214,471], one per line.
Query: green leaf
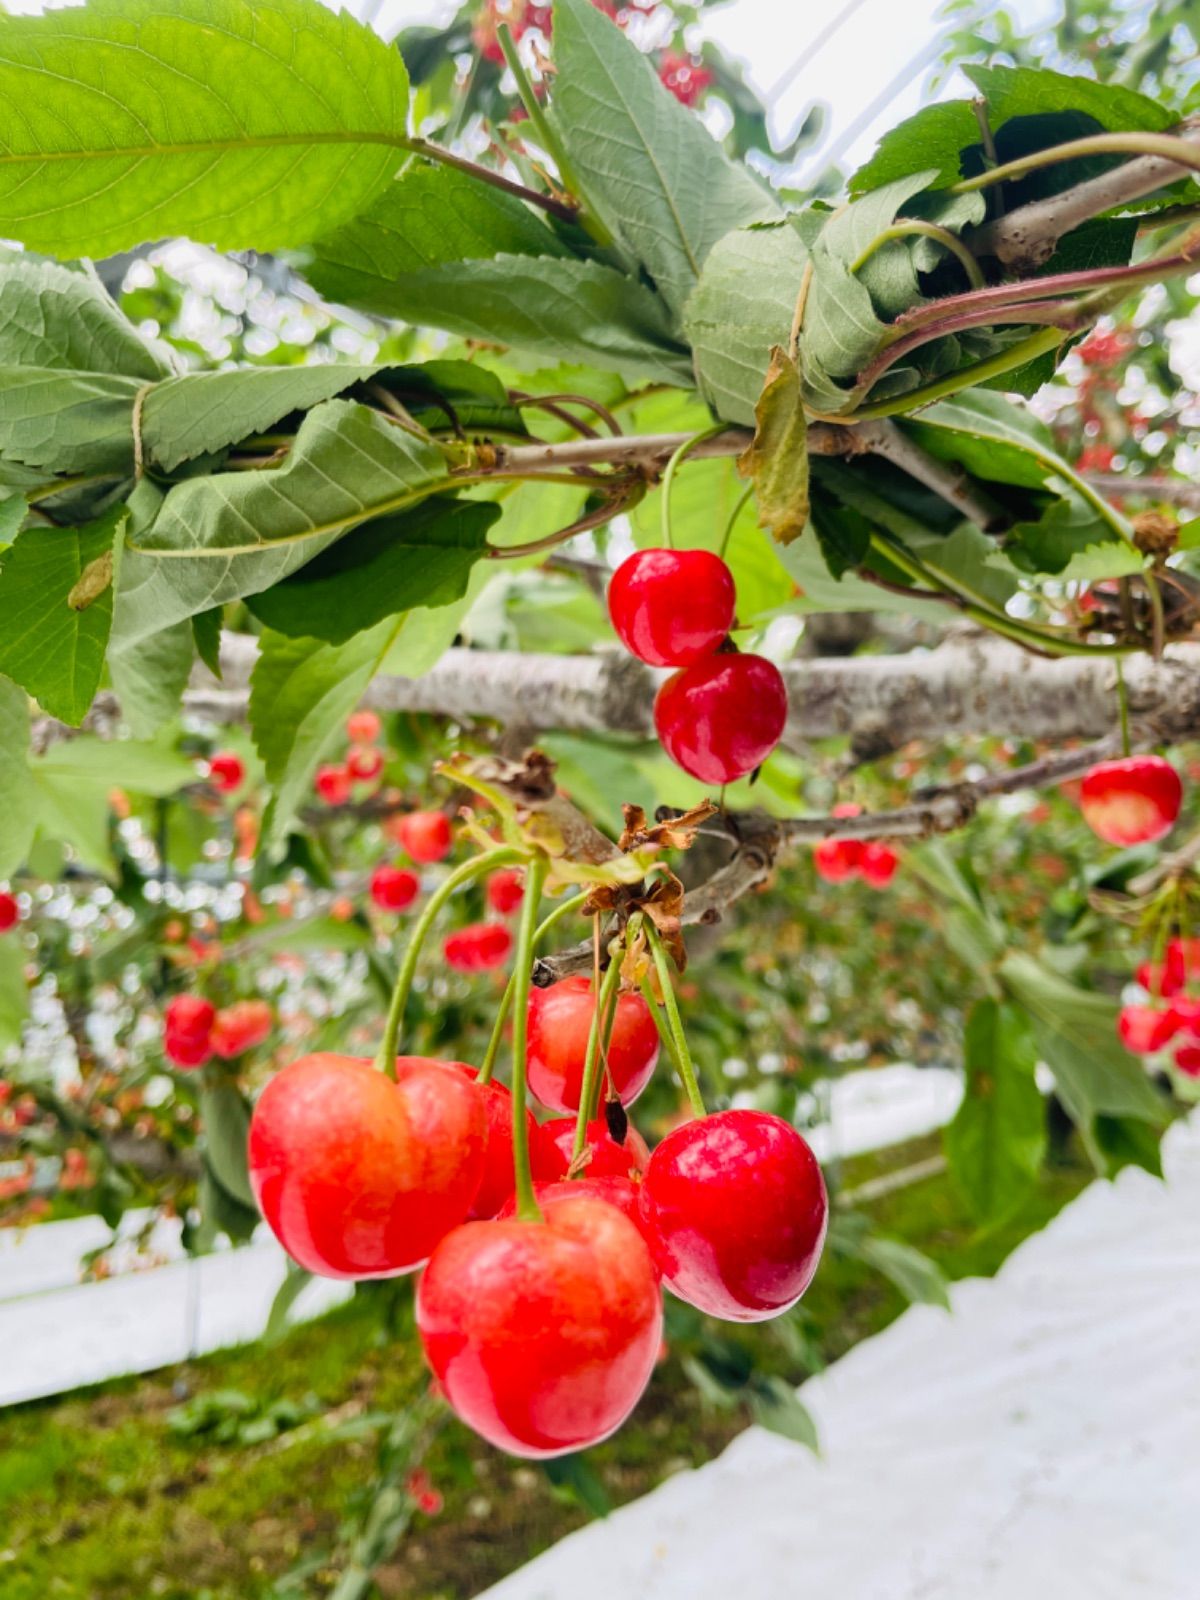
[54,636]
[151,767]
[206,636]
[421,557]
[14,992]
[577,1481]
[777,460]
[1129,1142]
[234,534]
[61,319]
[439,394]
[314,933]
[775,1405]
[918,1279]
[1076,1033]
[236,122]
[741,307]
[68,421]
[205,411]
[997,1141]
[150,677]
[289,1291]
[648,168]
[1070,541]
[18,797]
[13,511]
[225,1118]
[843,532]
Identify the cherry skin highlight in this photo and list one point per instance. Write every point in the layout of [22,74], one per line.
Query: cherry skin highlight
[497,1183]
[360,1177]
[394,888]
[425,835]
[736,1206]
[542,1335]
[1132,801]
[553,1144]
[672,608]
[560,1019]
[721,718]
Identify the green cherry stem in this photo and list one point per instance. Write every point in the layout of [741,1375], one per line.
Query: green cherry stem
[535,876]
[668,481]
[732,523]
[493,1049]
[591,1061]
[683,1055]
[467,873]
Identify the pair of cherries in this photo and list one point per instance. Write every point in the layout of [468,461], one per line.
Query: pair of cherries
[1172,1015]
[194,1030]
[836,860]
[722,713]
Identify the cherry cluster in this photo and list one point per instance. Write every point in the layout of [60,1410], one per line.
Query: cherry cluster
[335,780]
[539,1307]
[194,1030]
[836,860]
[1168,1013]
[720,715]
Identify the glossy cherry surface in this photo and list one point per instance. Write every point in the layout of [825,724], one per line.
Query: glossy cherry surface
[360,1177]
[560,1019]
[187,1030]
[497,1182]
[721,719]
[478,947]
[1131,801]
[506,890]
[394,888]
[554,1142]
[425,835]
[239,1027]
[226,771]
[542,1335]
[736,1206]
[672,607]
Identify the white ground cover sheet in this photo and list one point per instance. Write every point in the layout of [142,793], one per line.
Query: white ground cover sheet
[1042,1442]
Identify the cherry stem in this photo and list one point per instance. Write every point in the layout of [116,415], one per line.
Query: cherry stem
[493,1049]
[591,1061]
[528,1209]
[687,1069]
[664,1033]
[732,523]
[385,1060]
[668,481]
[1123,705]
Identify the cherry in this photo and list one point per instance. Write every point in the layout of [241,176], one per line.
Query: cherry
[425,835]
[671,608]
[1185,1015]
[553,1144]
[506,890]
[542,1335]
[364,762]
[684,76]
[1187,1059]
[334,785]
[1132,801]
[1145,1029]
[394,888]
[226,771]
[836,860]
[498,1182]
[721,718]
[187,1030]
[359,1176]
[478,947]
[878,864]
[624,1193]
[10,911]
[560,1019]
[1181,961]
[240,1027]
[363,727]
[736,1206]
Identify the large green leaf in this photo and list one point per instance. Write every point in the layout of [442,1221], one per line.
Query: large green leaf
[225,1118]
[56,628]
[421,557]
[144,766]
[919,1279]
[18,797]
[997,1140]
[60,318]
[237,122]
[649,169]
[67,421]
[233,534]
[204,411]
[150,677]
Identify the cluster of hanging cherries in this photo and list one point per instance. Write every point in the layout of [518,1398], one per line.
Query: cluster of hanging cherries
[1168,1015]
[544,1246]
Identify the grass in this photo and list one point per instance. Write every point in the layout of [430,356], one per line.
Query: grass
[101,1498]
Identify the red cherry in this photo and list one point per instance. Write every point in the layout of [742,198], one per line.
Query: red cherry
[187,1029]
[506,890]
[10,911]
[685,77]
[360,1177]
[624,1193]
[334,785]
[498,1180]
[364,762]
[394,888]
[425,835]
[1185,1015]
[542,1335]
[736,1205]
[836,860]
[1131,801]
[722,718]
[560,1019]
[554,1142]
[878,864]
[1187,1059]
[478,947]
[240,1027]
[226,771]
[672,607]
[362,727]
[1145,1029]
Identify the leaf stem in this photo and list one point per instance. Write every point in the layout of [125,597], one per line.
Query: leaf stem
[535,877]
[385,1059]
[683,1055]
[1166,146]
[493,1049]
[909,226]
